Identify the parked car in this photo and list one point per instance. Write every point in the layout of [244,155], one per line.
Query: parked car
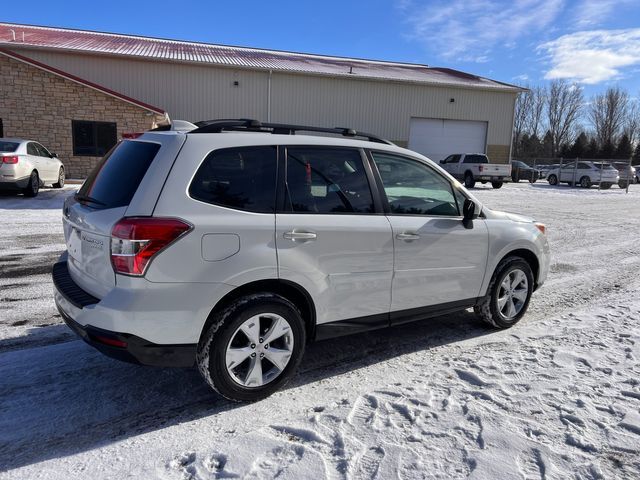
[544,169]
[475,167]
[585,174]
[637,167]
[522,171]
[232,251]
[626,172]
[25,166]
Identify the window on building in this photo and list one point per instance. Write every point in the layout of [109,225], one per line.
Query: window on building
[93,139]
[242,178]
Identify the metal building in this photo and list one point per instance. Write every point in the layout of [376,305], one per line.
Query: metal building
[435,111]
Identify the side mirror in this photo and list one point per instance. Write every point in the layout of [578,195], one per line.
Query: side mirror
[54,155]
[468,213]
[441,162]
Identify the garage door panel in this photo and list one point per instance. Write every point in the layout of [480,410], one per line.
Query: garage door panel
[437,138]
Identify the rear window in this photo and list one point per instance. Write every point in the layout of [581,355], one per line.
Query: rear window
[8,147]
[115,179]
[475,159]
[243,178]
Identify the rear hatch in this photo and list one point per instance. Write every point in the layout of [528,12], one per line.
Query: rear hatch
[128,178]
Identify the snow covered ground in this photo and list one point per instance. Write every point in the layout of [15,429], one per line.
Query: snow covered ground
[557,396]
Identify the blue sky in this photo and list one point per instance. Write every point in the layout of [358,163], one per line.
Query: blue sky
[593,42]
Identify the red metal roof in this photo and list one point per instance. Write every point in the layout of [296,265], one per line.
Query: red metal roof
[82,81]
[81,41]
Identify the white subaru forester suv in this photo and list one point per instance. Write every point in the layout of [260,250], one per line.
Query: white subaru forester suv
[233,245]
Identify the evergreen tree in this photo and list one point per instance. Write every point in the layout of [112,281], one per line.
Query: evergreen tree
[592,149]
[607,150]
[624,148]
[580,146]
[548,145]
[636,155]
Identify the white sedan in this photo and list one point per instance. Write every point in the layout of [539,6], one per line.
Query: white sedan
[25,166]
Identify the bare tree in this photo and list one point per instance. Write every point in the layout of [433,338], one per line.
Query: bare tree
[522,113]
[564,104]
[608,113]
[632,122]
[534,120]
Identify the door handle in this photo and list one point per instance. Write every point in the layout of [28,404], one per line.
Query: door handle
[407,236]
[295,236]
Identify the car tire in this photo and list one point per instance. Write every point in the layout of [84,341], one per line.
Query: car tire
[553,180]
[533,180]
[585,182]
[61,179]
[227,329]
[622,184]
[469,181]
[493,309]
[496,184]
[605,186]
[33,187]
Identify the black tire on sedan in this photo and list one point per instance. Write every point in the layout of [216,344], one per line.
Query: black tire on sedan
[253,347]
[33,187]
[553,180]
[60,182]
[585,182]
[605,186]
[508,294]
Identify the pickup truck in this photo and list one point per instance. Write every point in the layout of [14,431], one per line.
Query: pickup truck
[475,167]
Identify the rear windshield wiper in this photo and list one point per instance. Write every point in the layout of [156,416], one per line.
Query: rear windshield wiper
[86,198]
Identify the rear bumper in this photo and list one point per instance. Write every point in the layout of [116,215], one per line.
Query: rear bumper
[71,301]
[7,183]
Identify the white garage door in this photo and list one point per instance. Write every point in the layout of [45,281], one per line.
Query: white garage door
[437,138]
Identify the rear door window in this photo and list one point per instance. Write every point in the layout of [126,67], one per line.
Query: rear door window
[115,179]
[327,180]
[32,149]
[476,159]
[243,178]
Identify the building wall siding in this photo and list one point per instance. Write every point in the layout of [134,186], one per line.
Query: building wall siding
[38,105]
[198,92]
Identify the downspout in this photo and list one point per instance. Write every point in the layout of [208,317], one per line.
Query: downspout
[513,124]
[269,98]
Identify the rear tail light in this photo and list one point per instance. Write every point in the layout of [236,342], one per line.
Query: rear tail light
[10,160]
[136,240]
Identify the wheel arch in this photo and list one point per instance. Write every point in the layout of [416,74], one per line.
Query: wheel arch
[528,256]
[287,289]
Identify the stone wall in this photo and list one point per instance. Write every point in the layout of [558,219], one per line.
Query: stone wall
[39,105]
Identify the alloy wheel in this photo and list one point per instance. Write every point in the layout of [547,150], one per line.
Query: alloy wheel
[512,294]
[259,350]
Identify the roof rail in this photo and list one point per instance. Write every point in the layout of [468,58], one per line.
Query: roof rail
[249,125]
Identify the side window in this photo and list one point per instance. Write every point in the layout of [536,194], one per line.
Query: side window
[413,188]
[476,159]
[454,159]
[242,178]
[583,166]
[327,180]
[32,149]
[43,152]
